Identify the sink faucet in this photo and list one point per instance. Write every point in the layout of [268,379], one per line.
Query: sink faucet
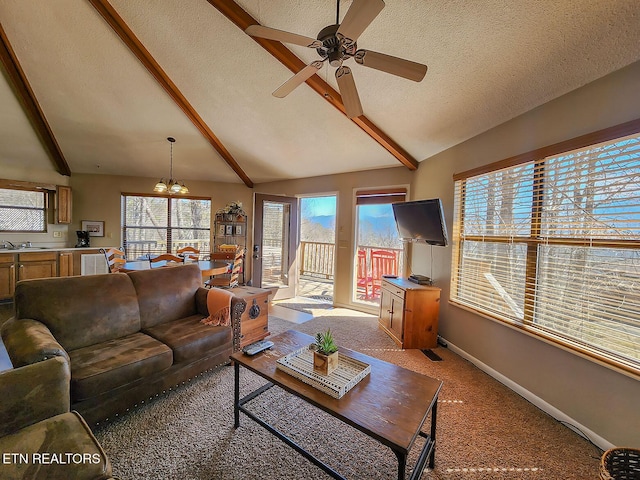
[7,244]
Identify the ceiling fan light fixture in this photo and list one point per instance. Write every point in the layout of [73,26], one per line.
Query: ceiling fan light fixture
[337,44]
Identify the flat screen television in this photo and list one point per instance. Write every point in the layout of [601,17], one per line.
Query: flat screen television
[421,221]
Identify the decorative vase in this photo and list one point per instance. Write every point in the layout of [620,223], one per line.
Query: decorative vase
[228,217]
[325,364]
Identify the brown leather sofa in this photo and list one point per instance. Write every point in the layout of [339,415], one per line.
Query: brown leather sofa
[127,336]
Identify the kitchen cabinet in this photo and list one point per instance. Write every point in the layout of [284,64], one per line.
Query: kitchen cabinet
[65,263]
[63,204]
[37,265]
[7,275]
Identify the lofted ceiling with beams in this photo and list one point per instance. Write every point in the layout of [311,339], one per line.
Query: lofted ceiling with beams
[97,86]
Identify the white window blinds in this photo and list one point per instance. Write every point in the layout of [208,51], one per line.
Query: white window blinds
[553,246]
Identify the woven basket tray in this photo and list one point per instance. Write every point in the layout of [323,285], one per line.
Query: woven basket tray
[620,464]
[349,372]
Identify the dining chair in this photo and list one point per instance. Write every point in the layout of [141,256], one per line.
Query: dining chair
[229,280]
[383,262]
[189,253]
[115,259]
[363,277]
[168,259]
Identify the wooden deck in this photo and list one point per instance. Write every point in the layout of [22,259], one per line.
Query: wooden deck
[315,287]
[322,289]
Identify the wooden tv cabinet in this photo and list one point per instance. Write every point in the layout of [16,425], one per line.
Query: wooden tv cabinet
[409,313]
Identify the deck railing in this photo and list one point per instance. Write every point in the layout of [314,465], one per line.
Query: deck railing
[316,259]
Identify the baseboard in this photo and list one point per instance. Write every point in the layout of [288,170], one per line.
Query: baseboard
[535,400]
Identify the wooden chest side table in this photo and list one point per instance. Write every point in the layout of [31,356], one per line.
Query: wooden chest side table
[254,322]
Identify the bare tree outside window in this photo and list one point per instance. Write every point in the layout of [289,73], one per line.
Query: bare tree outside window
[554,246]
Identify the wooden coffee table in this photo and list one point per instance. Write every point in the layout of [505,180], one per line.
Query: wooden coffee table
[390,405]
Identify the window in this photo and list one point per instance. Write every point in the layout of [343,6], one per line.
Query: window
[23,210]
[157,224]
[553,246]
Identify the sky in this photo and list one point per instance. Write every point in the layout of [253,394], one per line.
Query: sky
[317,206]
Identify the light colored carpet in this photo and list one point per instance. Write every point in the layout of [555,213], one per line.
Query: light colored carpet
[485,431]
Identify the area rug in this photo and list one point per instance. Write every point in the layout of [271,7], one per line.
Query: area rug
[485,431]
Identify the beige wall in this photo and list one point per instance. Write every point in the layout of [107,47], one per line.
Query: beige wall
[49,176]
[97,197]
[344,187]
[600,399]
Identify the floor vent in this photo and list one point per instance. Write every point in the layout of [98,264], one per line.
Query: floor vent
[431,355]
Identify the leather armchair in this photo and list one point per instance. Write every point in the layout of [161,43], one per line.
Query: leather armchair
[39,437]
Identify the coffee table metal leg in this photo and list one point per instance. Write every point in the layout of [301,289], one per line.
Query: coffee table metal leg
[236,395]
[434,418]
[402,464]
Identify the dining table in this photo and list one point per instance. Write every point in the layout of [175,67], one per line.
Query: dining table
[208,268]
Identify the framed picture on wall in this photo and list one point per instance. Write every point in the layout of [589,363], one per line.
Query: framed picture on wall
[229,230]
[238,229]
[94,227]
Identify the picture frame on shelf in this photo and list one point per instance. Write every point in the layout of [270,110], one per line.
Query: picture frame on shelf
[94,227]
[229,230]
[238,230]
[221,230]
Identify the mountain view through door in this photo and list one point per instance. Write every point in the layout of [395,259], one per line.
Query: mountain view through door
[317,248]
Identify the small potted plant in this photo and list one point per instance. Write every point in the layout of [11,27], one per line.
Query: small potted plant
[325,353]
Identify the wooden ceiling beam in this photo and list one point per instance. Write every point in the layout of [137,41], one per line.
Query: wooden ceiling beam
[242,20]
[30,105]
[119,26]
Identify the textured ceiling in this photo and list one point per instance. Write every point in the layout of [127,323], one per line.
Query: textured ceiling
[489,61]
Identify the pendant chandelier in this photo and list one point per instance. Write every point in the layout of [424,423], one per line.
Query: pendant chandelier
[172,186]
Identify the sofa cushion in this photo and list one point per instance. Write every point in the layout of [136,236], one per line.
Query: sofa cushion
[83,310]
[102,367]
[166,293]
[58,447]
[191,340]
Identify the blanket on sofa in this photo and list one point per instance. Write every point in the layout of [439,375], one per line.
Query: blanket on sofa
[219,306]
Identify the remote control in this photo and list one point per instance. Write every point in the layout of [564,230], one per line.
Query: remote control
[257,347]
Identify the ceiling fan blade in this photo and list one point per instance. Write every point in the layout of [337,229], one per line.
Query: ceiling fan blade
[290,85]
[358,17]
[348,92]
[282,36]
[393,65]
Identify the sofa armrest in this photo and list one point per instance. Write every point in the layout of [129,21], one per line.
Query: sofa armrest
[238,305]
[201,301]
[33,393]
[28,341]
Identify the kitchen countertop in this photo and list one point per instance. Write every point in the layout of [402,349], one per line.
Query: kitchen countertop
[47,249]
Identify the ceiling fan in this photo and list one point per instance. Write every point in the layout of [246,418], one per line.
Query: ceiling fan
[337,43]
